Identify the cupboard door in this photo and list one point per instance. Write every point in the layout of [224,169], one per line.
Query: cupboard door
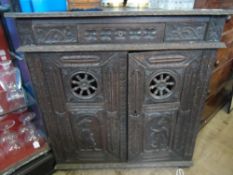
[88,97]
[165,92]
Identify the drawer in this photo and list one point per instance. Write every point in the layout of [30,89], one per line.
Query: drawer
[139,30]
[121,33]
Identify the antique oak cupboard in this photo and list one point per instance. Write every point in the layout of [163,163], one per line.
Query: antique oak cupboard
[121,88]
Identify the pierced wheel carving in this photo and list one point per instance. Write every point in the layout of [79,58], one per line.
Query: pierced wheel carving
[162,85]
[84,85]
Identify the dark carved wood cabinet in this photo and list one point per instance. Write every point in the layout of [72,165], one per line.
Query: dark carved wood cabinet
[121,88]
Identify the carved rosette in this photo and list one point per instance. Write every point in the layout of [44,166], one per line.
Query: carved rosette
[162,85]
[83,85]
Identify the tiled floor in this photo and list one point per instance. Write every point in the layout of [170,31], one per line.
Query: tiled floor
[213,154]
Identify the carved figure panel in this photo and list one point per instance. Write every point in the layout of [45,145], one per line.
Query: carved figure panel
[185,31]
[159,127]
[154,132]
[87,132]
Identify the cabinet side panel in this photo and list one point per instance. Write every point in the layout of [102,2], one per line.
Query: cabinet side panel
[41,89]
[206,67]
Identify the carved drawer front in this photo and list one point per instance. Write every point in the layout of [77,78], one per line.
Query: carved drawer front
[88,93]
[159,85]
[121,33]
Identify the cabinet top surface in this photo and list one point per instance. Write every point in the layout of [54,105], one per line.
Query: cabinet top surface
[123,12]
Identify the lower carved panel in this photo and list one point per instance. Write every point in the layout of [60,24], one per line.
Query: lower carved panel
[155,137]
[158,132]
[95,136]
[88,133]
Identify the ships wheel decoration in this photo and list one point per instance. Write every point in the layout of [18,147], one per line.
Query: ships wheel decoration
[84,85]
[162,85]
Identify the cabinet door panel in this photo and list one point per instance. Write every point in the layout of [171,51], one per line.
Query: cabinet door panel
[91,115]
[162,88]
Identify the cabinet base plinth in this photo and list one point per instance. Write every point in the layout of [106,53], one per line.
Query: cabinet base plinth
[123,165]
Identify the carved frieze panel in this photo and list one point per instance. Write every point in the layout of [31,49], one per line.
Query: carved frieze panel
[185,31]
[118,33]
[215,29]
[38,32]
[25,32]
[54,33]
